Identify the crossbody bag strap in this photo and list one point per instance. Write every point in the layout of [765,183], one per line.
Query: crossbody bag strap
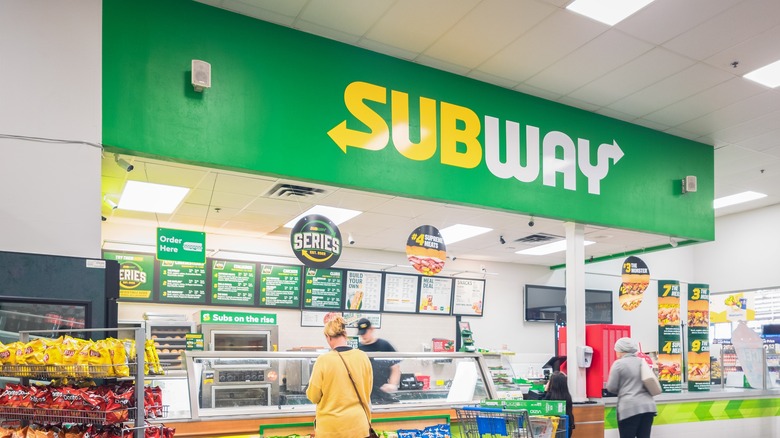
[354,386]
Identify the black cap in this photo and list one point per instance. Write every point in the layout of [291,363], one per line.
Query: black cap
[363,325]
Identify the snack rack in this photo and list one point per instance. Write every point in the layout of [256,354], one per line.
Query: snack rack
[46,372]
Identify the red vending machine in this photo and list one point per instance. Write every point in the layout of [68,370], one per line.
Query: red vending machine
[600,337]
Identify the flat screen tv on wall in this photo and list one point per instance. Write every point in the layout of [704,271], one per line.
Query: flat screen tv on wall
[543,303]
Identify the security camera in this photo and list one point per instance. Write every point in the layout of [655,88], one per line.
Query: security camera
[531,223]
[501,240]
[351,239]
[453,258]
[121,162]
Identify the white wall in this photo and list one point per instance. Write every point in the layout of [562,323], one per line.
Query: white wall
[51,87]
[745,252]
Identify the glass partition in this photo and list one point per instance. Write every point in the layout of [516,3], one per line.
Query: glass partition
[227,383]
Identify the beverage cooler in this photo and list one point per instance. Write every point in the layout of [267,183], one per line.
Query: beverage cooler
[45,292]
[228,383]
[602,338]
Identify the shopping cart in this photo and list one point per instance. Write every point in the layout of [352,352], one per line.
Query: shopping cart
[478,422]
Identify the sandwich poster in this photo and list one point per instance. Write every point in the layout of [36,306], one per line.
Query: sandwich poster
[669,331]
[636,278]
[698,337]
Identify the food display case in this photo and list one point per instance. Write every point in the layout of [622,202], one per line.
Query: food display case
[169,337]
[270,384]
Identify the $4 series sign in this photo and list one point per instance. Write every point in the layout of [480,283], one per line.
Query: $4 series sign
[136,275]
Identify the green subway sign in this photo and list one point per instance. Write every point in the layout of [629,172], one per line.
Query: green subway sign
[181,245]
[317,110]
[219,317]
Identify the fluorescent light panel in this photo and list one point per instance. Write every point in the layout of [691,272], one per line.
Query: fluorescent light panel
[609,12]
[458,232]
[739,198]
[335,214]
[768,75]
[549,248]
[152,198]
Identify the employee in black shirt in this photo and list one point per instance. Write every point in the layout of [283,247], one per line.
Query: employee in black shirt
[387,373]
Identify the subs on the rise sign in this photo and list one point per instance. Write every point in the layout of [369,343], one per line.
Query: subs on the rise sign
[316,241]
[425,250]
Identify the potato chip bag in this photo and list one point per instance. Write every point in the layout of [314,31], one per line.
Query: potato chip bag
[5,355]
[52,356]
[14,351]
[34,351]
[83,358]
[116,350]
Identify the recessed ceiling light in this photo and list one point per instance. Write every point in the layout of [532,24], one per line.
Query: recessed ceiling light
[152,198]
[549,248]
[768,75]
[335,214]
[609,12]
[739,198]
[458,232]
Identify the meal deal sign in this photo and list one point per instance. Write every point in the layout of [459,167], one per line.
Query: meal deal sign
[669,331]
[698,337]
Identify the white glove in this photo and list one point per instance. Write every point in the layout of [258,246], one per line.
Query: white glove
[389,388]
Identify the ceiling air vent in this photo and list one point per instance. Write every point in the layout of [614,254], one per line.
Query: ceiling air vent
[292,191]
[538,238]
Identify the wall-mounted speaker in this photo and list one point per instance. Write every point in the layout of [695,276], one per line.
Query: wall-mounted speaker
[689,184]
[201,75]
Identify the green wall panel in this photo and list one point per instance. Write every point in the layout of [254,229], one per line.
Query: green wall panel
[277,93]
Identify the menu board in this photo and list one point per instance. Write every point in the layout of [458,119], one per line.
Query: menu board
[669,333]
[435,295]
[400,293]
[364,290]
[280,286]
[313,319]
[323,288]
[182,282]
[469,295]
[698,342]
[232,283]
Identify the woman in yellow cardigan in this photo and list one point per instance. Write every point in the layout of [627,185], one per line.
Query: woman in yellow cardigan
[340,413]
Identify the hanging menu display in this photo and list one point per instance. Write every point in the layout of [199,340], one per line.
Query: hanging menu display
[232,283]
[698,337]
[136,275]
[469,295]
[364,290]
[182,282]
[669,332]
[435,295]
[323,289]
[280,286]
[400,293]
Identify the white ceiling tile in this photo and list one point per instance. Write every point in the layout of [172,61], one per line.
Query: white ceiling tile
[404,207]
[731,27]
[758,51]
[553,38]
[230,200]
[288,8]
[632,77]
[188,209]
[604,53]
[719,96]
[351,17]
[388,50]
[764,142]
[749,129]
[676,17]
[670,90]
[174,176]
[577,103]
[651,124]
[615,114]
[254,11]
[734,114]
[246,185]
[732,160]
[774,151]
[279,206]
[198,196]
[490,79]
[533,91]
[487,29]
[442,65]
[327,32]
[423,23]
[355,200]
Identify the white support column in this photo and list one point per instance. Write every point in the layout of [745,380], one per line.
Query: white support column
[575,307]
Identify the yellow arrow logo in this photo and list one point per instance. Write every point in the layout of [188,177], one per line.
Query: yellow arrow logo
[355,96]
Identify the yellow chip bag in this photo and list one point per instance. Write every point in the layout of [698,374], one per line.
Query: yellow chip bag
[116,349]
[82,358]
[34,351]
[5,355]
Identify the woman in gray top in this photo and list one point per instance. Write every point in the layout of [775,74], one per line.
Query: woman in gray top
[635,406]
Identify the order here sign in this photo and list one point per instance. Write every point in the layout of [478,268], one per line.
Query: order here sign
[181,245]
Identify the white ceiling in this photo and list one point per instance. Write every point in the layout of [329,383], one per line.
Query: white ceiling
[669,67]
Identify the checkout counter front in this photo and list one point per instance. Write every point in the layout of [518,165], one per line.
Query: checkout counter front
[236,392]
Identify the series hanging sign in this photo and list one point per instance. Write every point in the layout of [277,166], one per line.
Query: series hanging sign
[698,337]
[136,275]
[316,241]
[669,332]
[636,278]
[425,250]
